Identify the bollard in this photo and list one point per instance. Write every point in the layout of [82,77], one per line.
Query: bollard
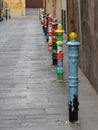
[60,57]
[60,54]
[45,24]
[73,77]
[54,45]
[9,14]
[44,20]
[50,33]
[6,13]
[41,13]
[1,17]
[60,72]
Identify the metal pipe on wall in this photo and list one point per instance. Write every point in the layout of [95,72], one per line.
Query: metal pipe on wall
[80,23]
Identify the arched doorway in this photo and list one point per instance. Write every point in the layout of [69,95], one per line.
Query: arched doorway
[34,3]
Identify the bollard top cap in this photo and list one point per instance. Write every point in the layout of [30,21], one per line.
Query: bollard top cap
[59,29]
[59,26]
[73,36]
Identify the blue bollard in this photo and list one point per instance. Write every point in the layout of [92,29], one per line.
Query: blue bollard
[46,34]
[73,77]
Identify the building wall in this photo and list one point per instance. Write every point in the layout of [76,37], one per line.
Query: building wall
[58,10]
[1,4]
[50,7]
[64,4]
[34,3]
[64,15]
[54,7]
[89,39]
[17,7]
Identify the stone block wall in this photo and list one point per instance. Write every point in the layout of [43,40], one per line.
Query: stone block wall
[54,7]
[17,7]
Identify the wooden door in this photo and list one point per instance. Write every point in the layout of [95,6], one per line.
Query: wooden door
[34,3]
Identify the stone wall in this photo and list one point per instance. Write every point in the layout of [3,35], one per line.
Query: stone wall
[64,4]
[54,7]
[17,7]
[50,5]
[58,10]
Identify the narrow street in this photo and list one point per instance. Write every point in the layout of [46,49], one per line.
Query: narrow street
[30,97]
[29,94]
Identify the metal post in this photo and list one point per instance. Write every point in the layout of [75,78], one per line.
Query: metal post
[73,77]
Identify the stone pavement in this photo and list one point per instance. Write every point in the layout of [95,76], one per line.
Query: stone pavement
[30,97]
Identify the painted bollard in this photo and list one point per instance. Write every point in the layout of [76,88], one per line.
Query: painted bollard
[73,77]
[41,13]
[45,24]
[1,17]
[54,45]
[60,72]
[60,50]
[60,54]
[50,33]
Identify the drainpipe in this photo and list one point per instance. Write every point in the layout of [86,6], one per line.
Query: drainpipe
[80,24]
[66,18]
[45,5]
[71,16]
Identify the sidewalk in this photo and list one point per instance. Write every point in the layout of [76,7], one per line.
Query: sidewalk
[30,97]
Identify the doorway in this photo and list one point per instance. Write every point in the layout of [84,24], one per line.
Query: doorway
[34,3]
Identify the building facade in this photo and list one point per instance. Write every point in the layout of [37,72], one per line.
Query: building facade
[34,3]
[17,7]
[53,7]
[1,4]
[87,27]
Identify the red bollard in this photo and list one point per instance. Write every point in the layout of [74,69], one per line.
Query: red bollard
[60,55]
[54,45]
[50,33]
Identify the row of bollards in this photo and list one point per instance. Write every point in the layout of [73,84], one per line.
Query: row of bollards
[54,45]
[5,14]
[60,54]
[49,33]
[54,36]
